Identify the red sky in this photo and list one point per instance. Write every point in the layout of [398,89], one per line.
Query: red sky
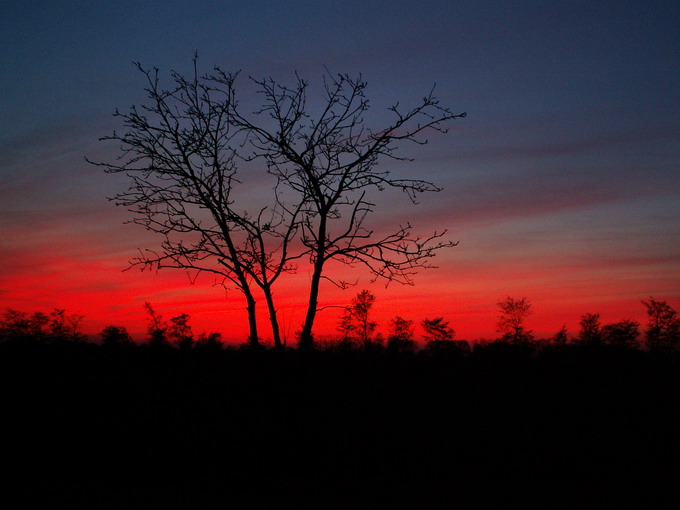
[564,273]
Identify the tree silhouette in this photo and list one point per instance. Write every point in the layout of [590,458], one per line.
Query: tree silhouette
[623,333]
[663,327]
[179,331]
[157,328]
[346,326]
[38,325]
[590,333]
[328,163]
[15,324]
[401,335]
[513,313]
[357,318]
[561,336]
[65,327]
[115,336]
[436,330]
[209,342]
[179,154]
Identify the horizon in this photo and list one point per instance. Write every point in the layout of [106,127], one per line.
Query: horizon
[382,329]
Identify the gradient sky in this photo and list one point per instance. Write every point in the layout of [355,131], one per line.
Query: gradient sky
[562,184]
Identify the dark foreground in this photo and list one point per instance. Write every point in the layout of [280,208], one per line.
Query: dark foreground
[90,427]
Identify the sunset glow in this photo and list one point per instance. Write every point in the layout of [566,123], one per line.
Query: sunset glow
[555,187]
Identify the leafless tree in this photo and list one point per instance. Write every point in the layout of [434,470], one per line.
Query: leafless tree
[179,152]
[328,162]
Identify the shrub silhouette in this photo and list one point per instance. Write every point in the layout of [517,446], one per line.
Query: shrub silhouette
[623,333]
[113,336]
[210,342]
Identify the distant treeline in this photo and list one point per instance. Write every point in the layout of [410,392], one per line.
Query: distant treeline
[661,334]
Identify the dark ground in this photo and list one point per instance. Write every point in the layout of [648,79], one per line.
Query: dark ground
[90,427]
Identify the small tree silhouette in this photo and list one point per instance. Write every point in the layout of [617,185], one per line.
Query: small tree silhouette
[209,342]
[513,313]
[115,336]
[440,336]
[561,337]
[179,331]
[157,328]
[437,331]
[15,324]
[623,333]
[58,327]
[346,326]
[38,325]
[591,332]
[65,327]
[663,327]
[357,319]
[400,338]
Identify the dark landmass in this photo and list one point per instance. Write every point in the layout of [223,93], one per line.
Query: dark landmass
[126,426]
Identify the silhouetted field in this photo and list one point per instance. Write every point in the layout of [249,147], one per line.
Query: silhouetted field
[127,426]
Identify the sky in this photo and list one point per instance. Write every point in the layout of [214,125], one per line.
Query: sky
[562,184]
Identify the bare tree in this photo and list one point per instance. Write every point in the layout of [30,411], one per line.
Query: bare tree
[178,151]
[329,163]
[181,152]
[511,318]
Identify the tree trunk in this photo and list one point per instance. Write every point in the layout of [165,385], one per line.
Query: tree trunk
[253,339]
[306,337]
[273,319]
